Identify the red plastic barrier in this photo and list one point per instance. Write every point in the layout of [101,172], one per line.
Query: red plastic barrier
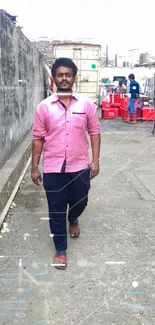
[139,114]
[124,114]
[119,111]
[106,104]
[124,102]
[110,113]
[115,98]
[116,105]
[148,113]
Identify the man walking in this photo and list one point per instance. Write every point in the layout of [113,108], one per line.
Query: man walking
[134,90]
[61,124]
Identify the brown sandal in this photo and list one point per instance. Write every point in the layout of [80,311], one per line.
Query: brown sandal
[126,121]
[60,261]
[74,231]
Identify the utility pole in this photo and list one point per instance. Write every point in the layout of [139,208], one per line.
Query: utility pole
[106,62]
[116,60]
[153,130]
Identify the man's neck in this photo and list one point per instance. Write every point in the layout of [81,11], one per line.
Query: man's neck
[64,94]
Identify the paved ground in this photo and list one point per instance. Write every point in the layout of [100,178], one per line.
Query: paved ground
[111,269]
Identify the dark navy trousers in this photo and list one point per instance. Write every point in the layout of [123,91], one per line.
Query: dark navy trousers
[65,190]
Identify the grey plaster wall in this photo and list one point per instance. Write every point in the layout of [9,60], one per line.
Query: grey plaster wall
[21,86]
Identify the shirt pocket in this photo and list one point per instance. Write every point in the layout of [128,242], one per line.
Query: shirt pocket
[79,120]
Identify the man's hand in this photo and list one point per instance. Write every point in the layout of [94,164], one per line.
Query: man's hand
[36,176]
[95,169]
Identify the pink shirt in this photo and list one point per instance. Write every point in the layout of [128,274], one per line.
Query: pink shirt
[65,132]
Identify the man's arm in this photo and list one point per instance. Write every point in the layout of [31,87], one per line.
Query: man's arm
[37,146]
[95,138]
[95,145]
[39,132]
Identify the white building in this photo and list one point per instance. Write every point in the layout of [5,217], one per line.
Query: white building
[131,57]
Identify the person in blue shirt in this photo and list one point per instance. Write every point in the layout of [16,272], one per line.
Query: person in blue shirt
[134,91]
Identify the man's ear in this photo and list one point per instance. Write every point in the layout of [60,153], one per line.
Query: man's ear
[53,80]
[75,79]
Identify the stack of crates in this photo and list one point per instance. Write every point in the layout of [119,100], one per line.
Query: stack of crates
[111,108]
[117,106]
[148,113]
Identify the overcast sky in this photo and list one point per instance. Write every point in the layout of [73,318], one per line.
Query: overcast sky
[122,24]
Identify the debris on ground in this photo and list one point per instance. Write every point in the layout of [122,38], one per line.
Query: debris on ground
[25,236]
[13,205]
[5,228]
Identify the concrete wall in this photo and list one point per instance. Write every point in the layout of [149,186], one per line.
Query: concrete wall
[21,86]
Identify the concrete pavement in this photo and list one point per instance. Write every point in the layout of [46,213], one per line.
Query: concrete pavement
[111,267]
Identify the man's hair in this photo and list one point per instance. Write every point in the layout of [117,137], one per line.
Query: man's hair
[64,62]
[131,76]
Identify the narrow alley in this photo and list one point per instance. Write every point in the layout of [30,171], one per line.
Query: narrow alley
[111,267]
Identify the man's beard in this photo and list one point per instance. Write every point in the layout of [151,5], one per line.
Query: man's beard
[65,90]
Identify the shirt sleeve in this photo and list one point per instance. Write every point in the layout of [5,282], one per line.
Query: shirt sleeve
[39,126]
[93,123]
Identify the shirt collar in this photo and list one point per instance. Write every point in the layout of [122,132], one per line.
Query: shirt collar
[54,97]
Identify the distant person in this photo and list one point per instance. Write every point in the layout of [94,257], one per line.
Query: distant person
[121,88]
[134,91]
[114,87]
[61,125]
[139,104]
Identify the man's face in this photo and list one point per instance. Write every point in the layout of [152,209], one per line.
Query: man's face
[64,78]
